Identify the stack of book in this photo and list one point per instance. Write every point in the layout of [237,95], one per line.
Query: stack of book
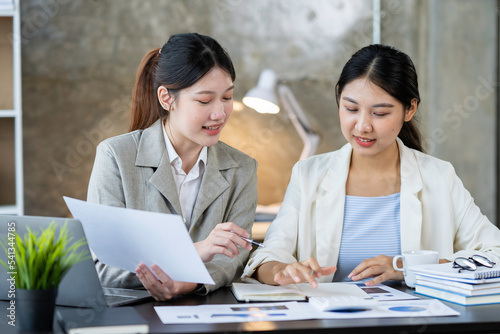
[442,281]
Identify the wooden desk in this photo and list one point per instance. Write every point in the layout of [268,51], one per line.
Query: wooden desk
[472,319]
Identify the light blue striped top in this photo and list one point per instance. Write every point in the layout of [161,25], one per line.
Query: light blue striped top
[371,228]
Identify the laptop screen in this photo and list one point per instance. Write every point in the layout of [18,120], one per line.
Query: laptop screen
[80,286]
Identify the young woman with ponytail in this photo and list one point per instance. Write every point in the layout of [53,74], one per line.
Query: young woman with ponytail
[171,161]
[347,213]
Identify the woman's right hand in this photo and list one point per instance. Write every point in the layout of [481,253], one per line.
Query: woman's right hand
[305,271]
[223,239]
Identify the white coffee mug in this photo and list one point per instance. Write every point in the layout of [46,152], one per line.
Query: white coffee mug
[411,258]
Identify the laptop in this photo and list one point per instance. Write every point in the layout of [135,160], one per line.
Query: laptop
[80,287]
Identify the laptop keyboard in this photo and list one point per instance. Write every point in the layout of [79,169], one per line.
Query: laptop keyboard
[117,296]
[114,299]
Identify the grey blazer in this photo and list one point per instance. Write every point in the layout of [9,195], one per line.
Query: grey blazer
[133,170]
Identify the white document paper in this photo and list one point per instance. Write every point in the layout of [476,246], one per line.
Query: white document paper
[221,313]
[125,237]
[392,309]
[382,292]
[287,311]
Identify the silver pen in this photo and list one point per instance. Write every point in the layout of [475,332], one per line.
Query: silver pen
[251,241]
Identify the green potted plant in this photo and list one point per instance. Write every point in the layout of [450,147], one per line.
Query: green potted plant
[40,262]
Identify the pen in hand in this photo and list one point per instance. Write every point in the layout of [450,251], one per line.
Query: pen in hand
[253,242]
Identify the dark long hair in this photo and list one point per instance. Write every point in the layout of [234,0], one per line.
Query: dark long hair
[394,72]
[179,64]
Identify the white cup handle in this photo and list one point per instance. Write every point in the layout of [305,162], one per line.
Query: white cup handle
[395,263]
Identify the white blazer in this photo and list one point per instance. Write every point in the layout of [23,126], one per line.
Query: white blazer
[437,212]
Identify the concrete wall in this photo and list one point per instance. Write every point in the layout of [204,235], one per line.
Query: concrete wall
[79,60]
[462,90]
[454,47]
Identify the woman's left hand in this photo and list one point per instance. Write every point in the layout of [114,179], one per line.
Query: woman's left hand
[161,288]
[379,267]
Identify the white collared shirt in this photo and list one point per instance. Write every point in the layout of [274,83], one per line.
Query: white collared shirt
[187,185]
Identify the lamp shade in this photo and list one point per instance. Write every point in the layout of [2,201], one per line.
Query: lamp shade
[263,98]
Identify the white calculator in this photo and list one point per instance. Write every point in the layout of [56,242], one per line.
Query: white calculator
[342,303]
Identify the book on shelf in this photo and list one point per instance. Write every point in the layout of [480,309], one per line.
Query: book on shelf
[122,320]
[446,271]
[263,292]
[466,289]
[456,297]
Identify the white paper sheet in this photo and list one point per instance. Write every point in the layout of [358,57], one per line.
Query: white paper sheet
[382,292]
[222,313]
[393,309]
[124,237]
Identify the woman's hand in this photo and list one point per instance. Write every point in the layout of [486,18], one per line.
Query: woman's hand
[164,288]
[379,267]
[305,271]
[223,239]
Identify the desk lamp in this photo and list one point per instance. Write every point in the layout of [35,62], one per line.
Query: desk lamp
[263,99]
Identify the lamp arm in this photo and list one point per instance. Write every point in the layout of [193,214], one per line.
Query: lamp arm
[299,121]
[292,106]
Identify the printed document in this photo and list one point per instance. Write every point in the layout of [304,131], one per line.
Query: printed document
[124,238]
[221,313]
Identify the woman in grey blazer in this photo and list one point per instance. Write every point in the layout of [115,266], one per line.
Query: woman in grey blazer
[172,161]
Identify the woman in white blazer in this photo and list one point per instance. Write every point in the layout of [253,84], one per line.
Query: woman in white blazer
[172,161]
[380,182]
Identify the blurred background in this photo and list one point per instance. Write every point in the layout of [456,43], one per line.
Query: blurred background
[79,59]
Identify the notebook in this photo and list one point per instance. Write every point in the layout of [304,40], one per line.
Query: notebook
[446,270]
[80,286]
[263,292]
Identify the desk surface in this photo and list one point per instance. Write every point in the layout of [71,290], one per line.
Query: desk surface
[472,319]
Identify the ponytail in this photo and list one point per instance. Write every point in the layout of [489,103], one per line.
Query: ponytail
[145,108]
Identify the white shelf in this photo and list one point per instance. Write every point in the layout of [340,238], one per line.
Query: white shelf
[8,113]
[16,112]
[8,8]
[9,210]
[7,13]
